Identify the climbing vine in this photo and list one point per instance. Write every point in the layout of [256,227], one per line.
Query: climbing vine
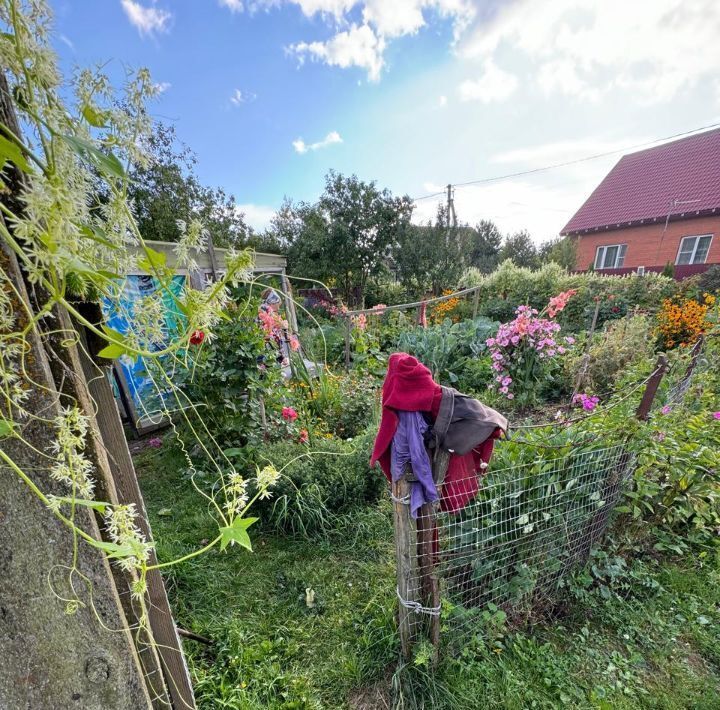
[67,220]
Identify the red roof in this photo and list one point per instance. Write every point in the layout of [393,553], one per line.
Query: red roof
[680,178]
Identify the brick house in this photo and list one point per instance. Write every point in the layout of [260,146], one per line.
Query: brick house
[656,206]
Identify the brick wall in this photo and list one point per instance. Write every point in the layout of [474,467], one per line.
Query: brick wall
[644,242]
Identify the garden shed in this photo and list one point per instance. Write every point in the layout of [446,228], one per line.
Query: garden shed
[135,392]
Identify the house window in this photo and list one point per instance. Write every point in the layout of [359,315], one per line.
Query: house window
[610,257]
[694,250]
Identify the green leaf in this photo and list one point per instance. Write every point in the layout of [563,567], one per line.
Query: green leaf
[153,261]
[6,428]
[523,520]
[98,505]
[11,151]
[93,116]
[112,351]
[106,163]
[233,452]
[237,532]
[115,551]
[164,512]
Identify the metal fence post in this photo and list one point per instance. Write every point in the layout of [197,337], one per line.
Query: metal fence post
[643,411]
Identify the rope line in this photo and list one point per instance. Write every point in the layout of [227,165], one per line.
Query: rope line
[417,607]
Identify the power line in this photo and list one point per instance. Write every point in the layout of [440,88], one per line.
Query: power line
[570,162]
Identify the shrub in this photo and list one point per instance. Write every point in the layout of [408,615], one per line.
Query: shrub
[316,486]
[229,378]
[710,281]
[621,344]
[681,321]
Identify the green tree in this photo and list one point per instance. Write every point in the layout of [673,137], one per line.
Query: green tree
[561,250]
[347,236]
[432,256]
[520,249]
[167,189]
[485,244]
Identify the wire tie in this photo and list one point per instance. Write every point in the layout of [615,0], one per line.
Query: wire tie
[417,607]
[405,500]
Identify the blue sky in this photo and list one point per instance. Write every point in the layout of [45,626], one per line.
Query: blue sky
[271,94]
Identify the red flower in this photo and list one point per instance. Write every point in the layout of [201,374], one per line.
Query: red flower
[304,436]
[197,337]
[289,413]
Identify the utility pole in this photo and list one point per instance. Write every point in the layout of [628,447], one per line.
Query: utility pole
[451,207]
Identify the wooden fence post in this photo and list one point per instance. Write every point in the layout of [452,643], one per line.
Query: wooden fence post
[405,545]
[476,303]
[643,411]
[427,554]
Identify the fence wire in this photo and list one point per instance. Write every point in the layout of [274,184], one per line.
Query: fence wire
[527,526]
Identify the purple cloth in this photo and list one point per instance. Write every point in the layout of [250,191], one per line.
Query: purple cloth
[408,446]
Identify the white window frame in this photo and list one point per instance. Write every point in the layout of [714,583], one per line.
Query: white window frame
[619,257]
[697,238]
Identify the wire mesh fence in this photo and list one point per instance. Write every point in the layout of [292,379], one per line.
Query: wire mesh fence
[511,546]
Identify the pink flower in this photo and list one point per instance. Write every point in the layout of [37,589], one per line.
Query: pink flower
[506,381]
[588,403]
[360,322]
[511,395]
[570,340]
[155,442]
[716,415]
[294,343]
[304,436]
[289,414]
[666,409]
[558,303]
[660,436]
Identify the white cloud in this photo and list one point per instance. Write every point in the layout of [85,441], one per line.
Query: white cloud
[562,151]
[148,20]
[330,139]
[242,97]
[232,5]
[257,216]
[364,45]
[495,84]
[357,47]
[585,48]
[67,41]
[162,86]
[442,101]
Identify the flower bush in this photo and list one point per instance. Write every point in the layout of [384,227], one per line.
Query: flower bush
[681,321]
[525,350]
[445,309]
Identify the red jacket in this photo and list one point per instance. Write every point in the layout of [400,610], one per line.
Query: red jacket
[409,386]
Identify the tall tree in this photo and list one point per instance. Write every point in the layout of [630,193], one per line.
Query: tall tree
[432,256]
[520,249]
[167,190]
[486,241]
[561,250]
[347,236]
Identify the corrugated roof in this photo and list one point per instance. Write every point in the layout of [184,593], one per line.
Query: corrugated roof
[678,177]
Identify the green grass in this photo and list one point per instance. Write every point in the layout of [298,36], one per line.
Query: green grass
[658,647]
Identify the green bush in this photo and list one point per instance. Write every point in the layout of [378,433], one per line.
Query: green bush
[318,484]
[226,383]
[710,281]
[621,344]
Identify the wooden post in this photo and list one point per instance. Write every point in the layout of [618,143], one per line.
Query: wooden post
[289,303]
[476,303]
[348,333]
[405,545]
[643,411]
[427,554]
[694,357]
[169,648]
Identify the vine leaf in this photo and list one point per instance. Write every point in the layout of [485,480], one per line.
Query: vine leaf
[237,532]
[113,351]
[93,116]
[106,163]
[11,151]
[153,261]
[6,428]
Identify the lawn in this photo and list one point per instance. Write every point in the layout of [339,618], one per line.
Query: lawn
[309,623]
